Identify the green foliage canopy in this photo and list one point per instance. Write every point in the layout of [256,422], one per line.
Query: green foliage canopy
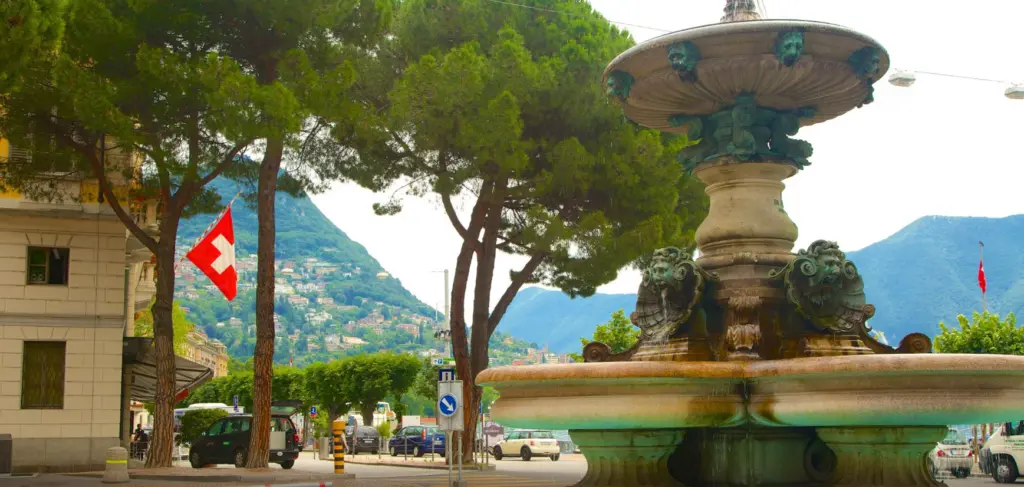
[618,333]
[984,333]
[182,326]
[31,30]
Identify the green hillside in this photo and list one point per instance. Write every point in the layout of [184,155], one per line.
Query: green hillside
[923,274]
[329,302]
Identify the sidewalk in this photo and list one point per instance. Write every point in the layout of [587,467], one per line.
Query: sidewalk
[224,474]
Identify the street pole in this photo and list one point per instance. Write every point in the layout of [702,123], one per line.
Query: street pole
[447,315]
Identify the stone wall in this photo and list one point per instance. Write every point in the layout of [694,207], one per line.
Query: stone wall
[87,314]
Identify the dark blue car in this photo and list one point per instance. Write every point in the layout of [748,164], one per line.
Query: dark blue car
[417,440]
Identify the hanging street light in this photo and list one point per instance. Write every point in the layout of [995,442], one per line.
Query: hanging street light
[905,79]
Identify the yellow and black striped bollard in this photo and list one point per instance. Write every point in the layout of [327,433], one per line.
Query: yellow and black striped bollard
[338,428]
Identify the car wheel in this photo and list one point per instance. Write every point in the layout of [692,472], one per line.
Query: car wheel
[554,458]
[497,453]
[394,452]
[195,460]
[525,453]
[240,458]
[287,464]
[1006,471]
[416,452]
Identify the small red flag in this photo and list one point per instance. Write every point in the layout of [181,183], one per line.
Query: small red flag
[981,276]
[215,256]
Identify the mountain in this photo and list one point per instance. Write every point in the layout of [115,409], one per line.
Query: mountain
[329,302]
[923,274]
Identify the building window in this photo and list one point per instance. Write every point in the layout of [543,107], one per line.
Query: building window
[42,375]
[48,265]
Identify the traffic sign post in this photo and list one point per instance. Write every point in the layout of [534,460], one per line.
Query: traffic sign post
[438,362]
[449,405]
[450,416]
[312,411]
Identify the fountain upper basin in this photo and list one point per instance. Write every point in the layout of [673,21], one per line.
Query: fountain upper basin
[863,390]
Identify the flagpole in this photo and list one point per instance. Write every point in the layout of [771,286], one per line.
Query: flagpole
[981,260]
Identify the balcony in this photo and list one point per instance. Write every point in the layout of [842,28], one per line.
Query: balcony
[146,214]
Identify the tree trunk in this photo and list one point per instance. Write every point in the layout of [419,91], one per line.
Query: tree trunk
[162,442]
[263,357]
[480,334]
[366,411]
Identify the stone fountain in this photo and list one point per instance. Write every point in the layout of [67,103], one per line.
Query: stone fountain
[755,366]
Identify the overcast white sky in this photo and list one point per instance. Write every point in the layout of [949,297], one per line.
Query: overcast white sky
[942,147]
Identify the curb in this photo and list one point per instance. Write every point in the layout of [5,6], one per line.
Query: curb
[263,479]
[425,465]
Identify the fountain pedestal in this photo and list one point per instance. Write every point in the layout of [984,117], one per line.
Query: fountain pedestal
[638,458]
[889,457]
[747,222]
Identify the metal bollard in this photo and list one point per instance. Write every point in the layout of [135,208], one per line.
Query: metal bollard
[116,471]
[338,428]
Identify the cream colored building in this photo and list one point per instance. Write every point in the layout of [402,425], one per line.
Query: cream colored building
[70,277]
[213,354]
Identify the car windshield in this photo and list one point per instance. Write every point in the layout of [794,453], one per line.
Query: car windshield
[954,437]
[542,435]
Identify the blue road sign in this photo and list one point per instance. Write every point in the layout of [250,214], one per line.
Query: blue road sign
[447,405]
[312,411]
[445,375]
[236,404]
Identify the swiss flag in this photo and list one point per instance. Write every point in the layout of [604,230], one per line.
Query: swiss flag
[215,256]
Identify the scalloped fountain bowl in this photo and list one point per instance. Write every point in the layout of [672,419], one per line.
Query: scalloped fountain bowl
[879,414]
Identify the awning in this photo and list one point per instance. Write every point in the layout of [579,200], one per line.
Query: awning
[140,355]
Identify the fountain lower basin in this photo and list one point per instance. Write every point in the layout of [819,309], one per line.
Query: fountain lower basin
[630,417]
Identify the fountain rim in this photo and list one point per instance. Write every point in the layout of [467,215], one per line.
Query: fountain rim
[745,27]
[909,364]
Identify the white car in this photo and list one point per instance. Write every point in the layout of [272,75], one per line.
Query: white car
[953,454]
[527,444]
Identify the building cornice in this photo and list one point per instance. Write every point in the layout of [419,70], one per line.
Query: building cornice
[93,321]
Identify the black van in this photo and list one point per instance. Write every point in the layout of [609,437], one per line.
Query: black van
[227,440]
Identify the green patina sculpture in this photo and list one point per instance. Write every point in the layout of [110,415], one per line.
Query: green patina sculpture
[870,96]
[683,56]
[745,131]
[866,62]
[619,84]
[826,289]
[789,46]
[670,296]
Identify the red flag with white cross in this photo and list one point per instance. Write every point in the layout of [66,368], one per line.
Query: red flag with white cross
[215,255]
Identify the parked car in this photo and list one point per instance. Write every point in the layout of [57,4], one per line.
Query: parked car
[366,438]
[953,454]
[527,444]
[227,440]
[417,440]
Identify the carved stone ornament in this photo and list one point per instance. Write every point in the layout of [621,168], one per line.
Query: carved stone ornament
[745,131]
[683,56]
[826,289]
[866,63]
[669,295]
[789,47]
[619,83]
